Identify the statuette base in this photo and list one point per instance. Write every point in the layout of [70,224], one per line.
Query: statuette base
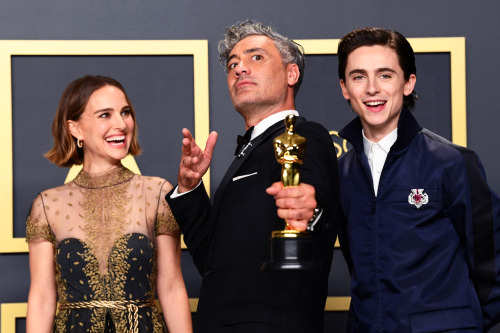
[291,250]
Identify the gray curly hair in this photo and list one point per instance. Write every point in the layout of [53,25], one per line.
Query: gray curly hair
[290,51]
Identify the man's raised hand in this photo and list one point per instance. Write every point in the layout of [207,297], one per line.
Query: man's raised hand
[194,161]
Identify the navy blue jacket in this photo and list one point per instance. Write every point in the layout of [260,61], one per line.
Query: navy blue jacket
[425,267]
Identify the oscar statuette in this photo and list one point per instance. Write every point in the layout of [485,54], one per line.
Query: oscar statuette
[290,249]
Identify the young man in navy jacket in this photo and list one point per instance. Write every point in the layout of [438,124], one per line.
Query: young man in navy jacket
[421,233]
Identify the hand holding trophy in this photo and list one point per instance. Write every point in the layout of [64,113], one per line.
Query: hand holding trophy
[290,249]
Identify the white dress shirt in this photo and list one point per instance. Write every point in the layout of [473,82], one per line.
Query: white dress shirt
[270,121]
[377,154]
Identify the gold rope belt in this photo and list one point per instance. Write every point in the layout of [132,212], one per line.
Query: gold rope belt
[132,308]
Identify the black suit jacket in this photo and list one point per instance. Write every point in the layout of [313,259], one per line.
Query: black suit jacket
[229,241]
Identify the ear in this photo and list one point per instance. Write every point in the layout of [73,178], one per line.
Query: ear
[410,84]
[292,74]
[345,92]
[74,129]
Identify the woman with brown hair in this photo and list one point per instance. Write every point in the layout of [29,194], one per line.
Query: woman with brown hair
[106,243]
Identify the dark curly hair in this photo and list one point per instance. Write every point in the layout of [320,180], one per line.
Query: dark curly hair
[378,36]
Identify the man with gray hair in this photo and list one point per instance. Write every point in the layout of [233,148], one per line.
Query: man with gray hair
[229,239]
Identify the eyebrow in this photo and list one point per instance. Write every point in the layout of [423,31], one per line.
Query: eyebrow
[386,69]
[356,71]
[103,110]
[252,50]
[362,71]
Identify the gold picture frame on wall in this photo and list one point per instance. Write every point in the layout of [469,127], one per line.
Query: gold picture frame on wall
[455,46]
[10,312]
[8,48]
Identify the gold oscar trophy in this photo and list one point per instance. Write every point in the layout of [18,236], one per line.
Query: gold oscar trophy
[290,249]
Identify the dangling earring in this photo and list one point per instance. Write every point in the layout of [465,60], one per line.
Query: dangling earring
[79,143]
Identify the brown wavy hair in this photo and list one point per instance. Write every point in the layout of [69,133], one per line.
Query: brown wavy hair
[74,99]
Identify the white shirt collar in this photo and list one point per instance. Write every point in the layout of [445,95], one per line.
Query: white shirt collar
[377,152]
[270,121]
[386,143]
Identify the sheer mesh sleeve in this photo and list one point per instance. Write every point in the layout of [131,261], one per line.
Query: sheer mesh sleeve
[165,221]
[37,226]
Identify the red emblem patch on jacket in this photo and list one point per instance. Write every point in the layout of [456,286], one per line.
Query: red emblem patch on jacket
[418,198]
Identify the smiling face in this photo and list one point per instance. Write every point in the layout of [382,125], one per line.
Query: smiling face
[375,86]
[258,82]
[106,128]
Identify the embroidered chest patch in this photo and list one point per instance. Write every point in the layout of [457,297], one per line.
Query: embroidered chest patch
[418,198]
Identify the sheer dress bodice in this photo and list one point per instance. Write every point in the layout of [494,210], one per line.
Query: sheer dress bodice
[103,228]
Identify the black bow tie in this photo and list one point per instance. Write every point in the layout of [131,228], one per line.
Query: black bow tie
[243,140]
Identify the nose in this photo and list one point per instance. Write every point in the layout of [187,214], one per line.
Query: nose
[372,87]
[118,121]
[241,68]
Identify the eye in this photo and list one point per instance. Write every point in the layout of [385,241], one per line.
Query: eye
[357,77]
[232,65]
[257,57]
[385,76]
[126,112]
[104,115]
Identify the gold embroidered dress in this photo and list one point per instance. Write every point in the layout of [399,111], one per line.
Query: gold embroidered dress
[103,227]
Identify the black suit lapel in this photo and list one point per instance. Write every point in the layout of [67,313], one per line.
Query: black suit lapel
[233,168]
[238,162]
